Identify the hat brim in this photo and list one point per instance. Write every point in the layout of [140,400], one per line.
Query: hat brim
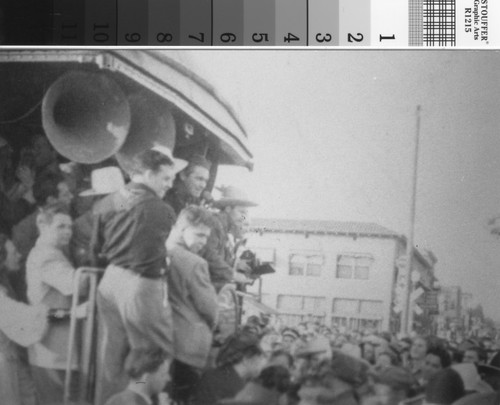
[179,164]
[487,369]
[91,192]
[310,352]
[481,398]
[228,202]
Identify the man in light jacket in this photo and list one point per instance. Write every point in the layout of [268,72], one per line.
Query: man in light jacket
[192,297]
[50,276]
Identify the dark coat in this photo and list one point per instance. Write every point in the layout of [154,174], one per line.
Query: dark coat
[126,397]
[194,305]
[219,252]
[179,198]
[217,384]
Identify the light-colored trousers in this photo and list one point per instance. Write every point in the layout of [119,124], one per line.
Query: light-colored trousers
[133,313]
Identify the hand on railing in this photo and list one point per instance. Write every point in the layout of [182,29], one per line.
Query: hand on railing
[82,310]
[240,278]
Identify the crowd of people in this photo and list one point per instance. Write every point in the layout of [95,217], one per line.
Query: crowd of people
[166,250]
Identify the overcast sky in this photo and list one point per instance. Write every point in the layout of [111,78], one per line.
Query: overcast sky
[332,133]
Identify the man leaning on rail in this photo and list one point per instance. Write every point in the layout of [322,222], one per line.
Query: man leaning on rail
[129,236]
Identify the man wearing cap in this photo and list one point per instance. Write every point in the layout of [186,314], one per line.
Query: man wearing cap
[288,338]
[129,235]
[221,246]
[104,181]
[189,184]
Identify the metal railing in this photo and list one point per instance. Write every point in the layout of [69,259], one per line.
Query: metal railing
[84,365]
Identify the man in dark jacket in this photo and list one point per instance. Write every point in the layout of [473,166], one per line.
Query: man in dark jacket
[221,248]
[189,184]
[129,235]
[240,360]
[148,372]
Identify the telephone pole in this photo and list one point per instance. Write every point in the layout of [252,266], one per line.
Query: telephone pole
[407,312]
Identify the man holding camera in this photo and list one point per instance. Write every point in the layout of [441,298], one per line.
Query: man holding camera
[222,246]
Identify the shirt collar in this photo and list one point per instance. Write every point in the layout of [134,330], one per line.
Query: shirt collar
[135,389]
[140,186]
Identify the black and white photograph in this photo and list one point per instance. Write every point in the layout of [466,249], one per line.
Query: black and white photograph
[249,226]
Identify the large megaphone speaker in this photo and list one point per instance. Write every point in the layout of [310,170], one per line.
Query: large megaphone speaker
[86,116]
[152,124]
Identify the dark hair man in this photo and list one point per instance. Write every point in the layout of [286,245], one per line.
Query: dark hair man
[148,372]
[192,297]
[129,235]
[474,354]
[436,359]
[240,359]
[49,188]
[189,184]
[50,283]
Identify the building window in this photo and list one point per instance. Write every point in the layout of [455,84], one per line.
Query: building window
[370,307]
[354,266]
[265,254]
[297,265]
[306,264]
[359,308]
[345,306]
[314,265]
[300,303]
[356,323]
[357,314]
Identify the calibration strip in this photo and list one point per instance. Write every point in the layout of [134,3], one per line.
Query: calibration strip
[245,23]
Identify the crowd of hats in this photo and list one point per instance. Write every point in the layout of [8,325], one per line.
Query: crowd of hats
[331,355]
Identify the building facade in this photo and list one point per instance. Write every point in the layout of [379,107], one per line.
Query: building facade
[340,273]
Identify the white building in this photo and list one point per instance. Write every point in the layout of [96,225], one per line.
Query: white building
[336,272]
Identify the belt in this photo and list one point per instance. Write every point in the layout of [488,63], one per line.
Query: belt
[152,276]
[155,276]
[57,315]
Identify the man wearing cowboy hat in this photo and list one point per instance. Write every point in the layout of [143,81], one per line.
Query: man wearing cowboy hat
[189,184]
[104,181]
[129,235]
[221,247]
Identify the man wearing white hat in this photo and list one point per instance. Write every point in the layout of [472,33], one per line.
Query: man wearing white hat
[104,181]
[129,236]
[220,250]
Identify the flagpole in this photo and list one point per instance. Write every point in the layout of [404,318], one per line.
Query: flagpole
[407,313]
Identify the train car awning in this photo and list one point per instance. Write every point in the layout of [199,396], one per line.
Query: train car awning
[168,74]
